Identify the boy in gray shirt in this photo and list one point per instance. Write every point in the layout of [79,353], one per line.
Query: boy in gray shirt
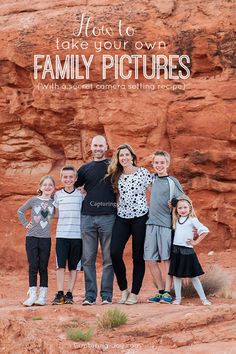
[158,238]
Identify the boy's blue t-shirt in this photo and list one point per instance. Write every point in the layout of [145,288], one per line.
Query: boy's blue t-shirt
[159,212]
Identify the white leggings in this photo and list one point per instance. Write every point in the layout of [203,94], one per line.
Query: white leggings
[196,283]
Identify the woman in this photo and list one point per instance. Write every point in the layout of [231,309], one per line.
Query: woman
[130,182]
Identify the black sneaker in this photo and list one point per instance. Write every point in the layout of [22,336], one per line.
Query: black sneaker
[106,300]
[59,299]
[89,301]
[69,298]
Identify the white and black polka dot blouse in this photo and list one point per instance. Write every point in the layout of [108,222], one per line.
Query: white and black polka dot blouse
[132,194]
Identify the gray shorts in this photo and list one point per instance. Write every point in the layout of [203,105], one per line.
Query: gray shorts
[157,246]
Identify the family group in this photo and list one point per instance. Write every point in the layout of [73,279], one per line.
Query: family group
[105,202]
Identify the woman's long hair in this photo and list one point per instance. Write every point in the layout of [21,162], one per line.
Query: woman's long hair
[115,169]
[175,215]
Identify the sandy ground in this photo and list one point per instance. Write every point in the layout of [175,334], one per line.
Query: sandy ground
[151,328]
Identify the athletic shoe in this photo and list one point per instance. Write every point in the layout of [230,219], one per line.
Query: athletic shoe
[176,302]
[166,299]
[206,302]
[124,296]
[132,299]
[69,298]
[106,300]
[30,301]
[41,301]
[156,298]
[88,301]
[59,299]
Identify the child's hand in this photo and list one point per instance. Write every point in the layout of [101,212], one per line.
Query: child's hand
[29,225]
[169,204]
[191,242]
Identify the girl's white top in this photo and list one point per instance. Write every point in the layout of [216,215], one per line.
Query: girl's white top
[184,232]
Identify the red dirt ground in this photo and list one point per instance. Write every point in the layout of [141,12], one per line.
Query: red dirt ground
[151,328]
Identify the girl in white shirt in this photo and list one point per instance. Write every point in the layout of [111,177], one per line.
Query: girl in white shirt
[184,262]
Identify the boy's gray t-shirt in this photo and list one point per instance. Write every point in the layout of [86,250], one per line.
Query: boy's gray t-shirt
[159,212]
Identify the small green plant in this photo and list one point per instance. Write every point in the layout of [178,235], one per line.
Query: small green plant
[112,318]
[75,323]
[36,318]
[78,334]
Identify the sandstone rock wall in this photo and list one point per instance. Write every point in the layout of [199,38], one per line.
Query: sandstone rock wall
[43,129]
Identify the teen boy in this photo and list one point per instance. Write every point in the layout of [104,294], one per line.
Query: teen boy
[68,234]
[157,245]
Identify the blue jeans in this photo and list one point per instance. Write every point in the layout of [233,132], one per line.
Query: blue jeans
[96,228]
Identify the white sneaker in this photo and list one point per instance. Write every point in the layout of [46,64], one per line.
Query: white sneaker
[124,296]
[176,302]
[206,302]
[132,299]
[32,296]
[41,301]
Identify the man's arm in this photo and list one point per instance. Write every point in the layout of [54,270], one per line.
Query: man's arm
[80,179]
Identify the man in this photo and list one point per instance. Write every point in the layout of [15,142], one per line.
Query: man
[98,216]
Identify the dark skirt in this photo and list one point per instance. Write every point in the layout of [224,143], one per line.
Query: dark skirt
[184,263]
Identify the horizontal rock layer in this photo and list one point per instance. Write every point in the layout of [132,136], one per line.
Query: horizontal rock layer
[42,129]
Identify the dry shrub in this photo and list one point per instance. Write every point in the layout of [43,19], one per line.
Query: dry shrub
[216,281]
[112,318]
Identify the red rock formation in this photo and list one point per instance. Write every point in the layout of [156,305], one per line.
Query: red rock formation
[41,129]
